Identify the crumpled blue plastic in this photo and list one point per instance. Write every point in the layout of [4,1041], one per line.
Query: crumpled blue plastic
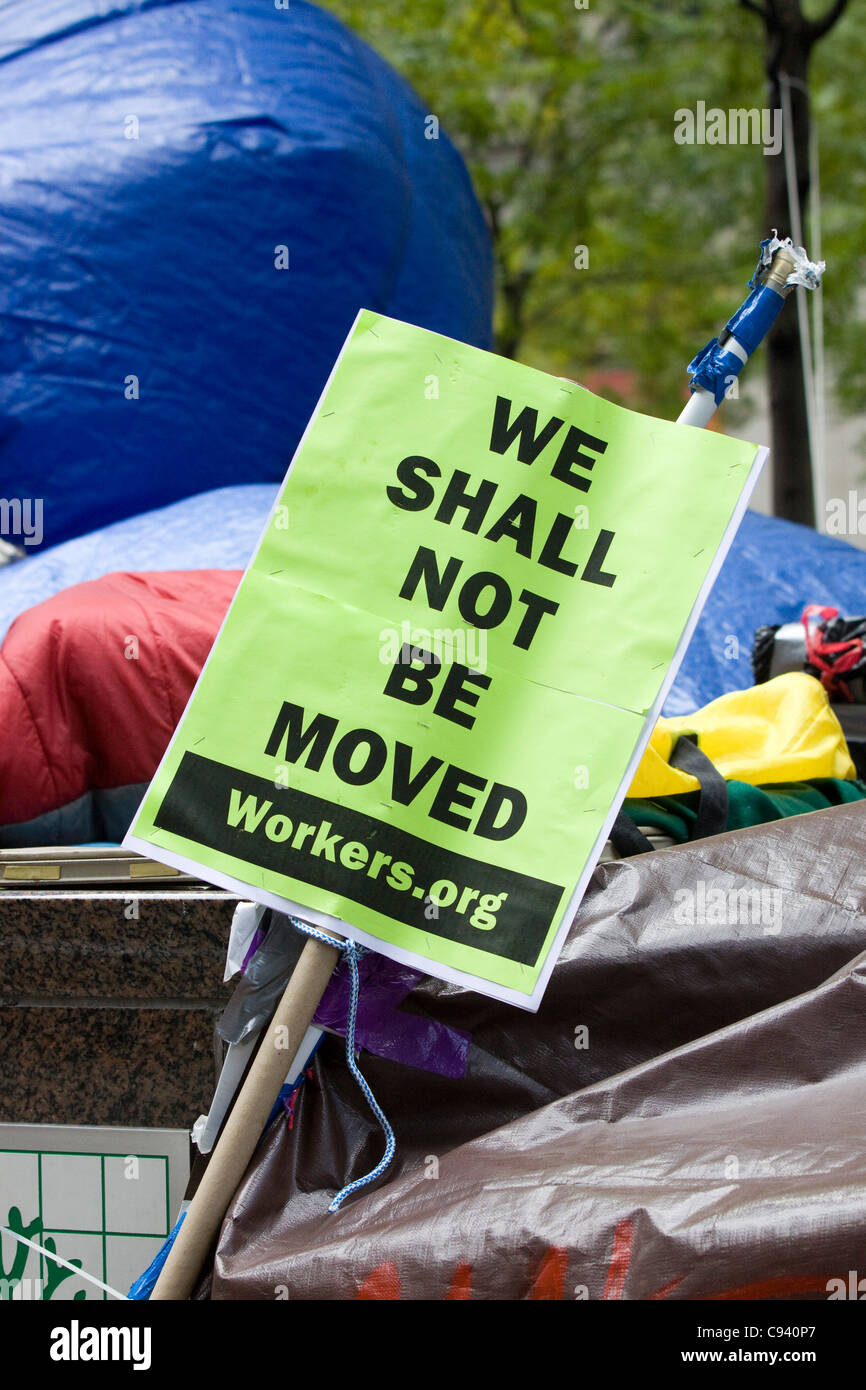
[715,366]
[156,157]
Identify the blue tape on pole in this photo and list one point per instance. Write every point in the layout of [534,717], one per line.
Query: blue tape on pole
[715,366]
[714,369]
[755,317]
[764,258]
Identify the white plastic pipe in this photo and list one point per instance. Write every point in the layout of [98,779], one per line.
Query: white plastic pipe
[699,409]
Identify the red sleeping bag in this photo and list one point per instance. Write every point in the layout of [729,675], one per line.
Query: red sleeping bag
[92,685]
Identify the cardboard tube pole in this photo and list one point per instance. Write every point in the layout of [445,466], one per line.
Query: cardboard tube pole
[243,1128]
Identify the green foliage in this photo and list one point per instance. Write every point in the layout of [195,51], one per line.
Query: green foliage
[565,117]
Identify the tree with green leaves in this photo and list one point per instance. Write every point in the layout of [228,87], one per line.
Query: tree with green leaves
[615,246]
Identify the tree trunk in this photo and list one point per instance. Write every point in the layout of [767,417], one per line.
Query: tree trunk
[514,290]
[790,37]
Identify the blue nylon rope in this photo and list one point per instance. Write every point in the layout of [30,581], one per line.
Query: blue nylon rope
[352,952]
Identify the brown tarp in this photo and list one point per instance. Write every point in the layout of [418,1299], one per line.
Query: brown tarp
[683,1118]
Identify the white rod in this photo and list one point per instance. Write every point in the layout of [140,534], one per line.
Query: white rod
[699,409]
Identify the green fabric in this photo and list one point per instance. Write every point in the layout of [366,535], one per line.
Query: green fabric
[747,805]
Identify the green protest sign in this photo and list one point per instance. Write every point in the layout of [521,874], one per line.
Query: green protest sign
[442,664]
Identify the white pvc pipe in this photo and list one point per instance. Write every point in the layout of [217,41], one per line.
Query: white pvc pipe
[699,409]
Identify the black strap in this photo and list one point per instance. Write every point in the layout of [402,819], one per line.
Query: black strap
[627,839]
[712,817]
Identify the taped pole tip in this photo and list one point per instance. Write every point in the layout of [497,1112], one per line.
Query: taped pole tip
[782,266]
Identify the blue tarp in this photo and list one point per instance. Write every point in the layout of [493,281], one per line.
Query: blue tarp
[773,569]
[155,157]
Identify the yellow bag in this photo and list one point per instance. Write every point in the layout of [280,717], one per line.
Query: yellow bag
[782,731]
